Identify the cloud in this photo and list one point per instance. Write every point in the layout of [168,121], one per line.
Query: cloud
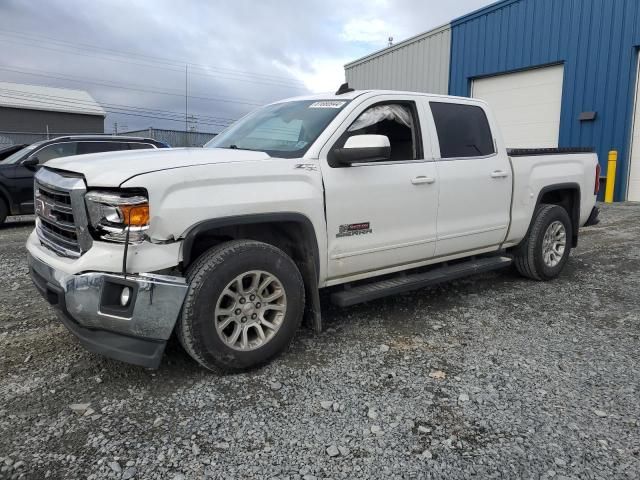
[367,31]
[254,52]
[322,75]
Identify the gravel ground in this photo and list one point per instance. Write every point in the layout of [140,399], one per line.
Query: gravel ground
[490,377]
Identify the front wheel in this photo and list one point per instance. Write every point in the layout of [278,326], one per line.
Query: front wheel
[545,251]
[244,305]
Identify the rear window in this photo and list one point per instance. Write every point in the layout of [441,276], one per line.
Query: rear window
[56,150]
[463,130]
[140,146]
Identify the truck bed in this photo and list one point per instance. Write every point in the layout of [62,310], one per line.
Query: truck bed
[528,152]
[534,169]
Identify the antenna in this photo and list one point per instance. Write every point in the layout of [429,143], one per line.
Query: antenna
[344,88]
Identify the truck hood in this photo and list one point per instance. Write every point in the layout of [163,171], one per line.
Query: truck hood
[111,169]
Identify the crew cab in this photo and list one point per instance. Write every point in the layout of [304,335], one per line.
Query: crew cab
[362,193]
[18,168]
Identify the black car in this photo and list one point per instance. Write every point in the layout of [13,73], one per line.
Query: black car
[17,170]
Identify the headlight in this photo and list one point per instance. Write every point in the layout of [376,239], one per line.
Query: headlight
[112,214]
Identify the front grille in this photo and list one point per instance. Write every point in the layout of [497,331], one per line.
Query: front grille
[56,224]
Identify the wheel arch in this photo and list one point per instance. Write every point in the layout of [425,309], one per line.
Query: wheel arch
[292,232]
[566,195]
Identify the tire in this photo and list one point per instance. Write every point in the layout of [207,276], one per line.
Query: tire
[214,290]
[4,211]
[529,257]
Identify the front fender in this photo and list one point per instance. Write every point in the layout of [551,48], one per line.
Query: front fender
[180,199]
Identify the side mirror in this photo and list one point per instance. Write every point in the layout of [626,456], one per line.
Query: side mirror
[364,148]
[31,163]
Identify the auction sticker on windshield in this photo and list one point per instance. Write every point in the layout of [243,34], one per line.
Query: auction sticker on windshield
[327,104]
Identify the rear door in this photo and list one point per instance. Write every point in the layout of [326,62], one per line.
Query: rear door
[381,214]
[475,179]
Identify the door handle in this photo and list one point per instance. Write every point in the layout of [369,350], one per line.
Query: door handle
[422,179]
[499,174]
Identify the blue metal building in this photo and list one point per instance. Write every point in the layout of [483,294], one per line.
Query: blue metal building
[596,42]
[555,72]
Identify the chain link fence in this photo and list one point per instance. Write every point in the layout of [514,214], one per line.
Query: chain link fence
[16,138]
[175,138]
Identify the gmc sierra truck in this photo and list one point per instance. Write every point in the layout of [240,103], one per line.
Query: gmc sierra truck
[363,193]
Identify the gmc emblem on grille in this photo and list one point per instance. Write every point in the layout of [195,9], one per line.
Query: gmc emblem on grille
[45,210]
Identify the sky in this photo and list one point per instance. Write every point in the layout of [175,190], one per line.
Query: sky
[138,57]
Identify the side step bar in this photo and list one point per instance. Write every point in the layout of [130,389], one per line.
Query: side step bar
[406,283]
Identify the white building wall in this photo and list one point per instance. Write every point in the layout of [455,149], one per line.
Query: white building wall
[419,64]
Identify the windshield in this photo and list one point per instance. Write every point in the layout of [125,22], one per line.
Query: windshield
[284,130]
[20,154]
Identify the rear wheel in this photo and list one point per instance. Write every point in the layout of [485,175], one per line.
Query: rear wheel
[545,251]
[244,305]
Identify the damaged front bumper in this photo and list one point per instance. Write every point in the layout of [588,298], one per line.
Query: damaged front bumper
[91,307]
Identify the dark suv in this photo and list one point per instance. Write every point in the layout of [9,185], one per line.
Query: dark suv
[17,170]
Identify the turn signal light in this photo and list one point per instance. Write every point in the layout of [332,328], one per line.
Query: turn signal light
[135,215]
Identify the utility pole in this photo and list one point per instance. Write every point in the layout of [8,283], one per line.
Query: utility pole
[186,102]
[193,123]
[115,128]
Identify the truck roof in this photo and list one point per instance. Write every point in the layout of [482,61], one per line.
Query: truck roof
[357,93]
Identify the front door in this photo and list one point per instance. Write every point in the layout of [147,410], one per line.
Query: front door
[381,214]
[21,187]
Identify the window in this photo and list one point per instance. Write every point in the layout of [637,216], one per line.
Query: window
[21,154]
[57,150]
[280,134]
[99,147]
[140,146]
[285,130]
[463,130]
[394,120]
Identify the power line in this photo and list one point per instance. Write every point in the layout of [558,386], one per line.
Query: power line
[154,62]
[113,105]
[156,59]
[58,104]
[52,104]
[155,117]
[138,88]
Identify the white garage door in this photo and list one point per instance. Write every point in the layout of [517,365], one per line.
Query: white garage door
[633,192]
[526,105]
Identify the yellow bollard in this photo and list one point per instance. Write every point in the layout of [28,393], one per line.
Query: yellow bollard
[611,176]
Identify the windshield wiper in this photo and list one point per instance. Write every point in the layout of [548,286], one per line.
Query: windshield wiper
[236,147]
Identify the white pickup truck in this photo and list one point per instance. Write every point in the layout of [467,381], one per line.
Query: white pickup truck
[364,193]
